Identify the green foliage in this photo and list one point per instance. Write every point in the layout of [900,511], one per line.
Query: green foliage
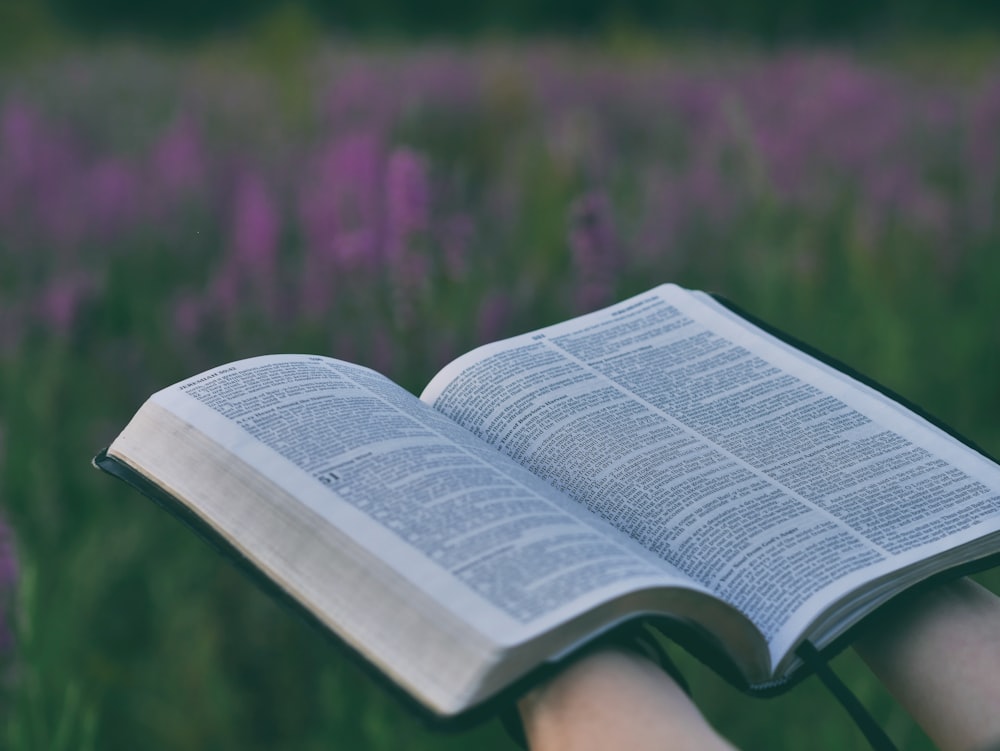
[27,29]
[771,20]
[133,634]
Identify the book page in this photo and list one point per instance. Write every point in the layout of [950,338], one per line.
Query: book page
[488,540]
[778,483]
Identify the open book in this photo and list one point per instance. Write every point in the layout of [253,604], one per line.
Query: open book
[664,458]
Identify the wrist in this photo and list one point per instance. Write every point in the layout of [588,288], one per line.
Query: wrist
[617,657]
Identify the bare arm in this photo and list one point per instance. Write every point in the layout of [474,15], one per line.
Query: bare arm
[938,653]
[614,699]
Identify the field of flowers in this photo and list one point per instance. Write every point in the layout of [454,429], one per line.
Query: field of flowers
[162,214]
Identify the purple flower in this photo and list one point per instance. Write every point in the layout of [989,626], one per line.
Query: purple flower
[19,126]
[360,97]
[188,313]
[593,244]
[408,215]
[43,168]
[663,215]
[178,161]
[408,200]
[340,210]
[382,353]
[492,317]
[224,290]
[9,574]
[113,194]
[341,204]
[255,228]
[982,155]
[60,301]
[454,237]
[362,208]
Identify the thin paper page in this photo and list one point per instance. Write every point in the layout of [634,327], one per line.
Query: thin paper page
[481,535]
[728,456]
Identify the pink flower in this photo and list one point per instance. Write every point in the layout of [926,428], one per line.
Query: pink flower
[113,194]
[454,237]
[19,127]
[382,353]
[255,227]
[594,246]
[178,161]
[408,200]
[492,317]
[9,575]
[62,299]
[408,215]
[188,312]
[341,204]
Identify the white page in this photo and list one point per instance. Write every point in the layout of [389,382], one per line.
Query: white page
[673,421]
[479,534]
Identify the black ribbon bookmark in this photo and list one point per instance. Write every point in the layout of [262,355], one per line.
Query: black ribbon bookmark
[872,731]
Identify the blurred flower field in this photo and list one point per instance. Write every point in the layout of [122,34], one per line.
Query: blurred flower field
[160,214]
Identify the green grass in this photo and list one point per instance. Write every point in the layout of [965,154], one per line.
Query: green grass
[132,633]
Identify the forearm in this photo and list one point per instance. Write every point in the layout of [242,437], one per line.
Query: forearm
[938,653]
[614,699]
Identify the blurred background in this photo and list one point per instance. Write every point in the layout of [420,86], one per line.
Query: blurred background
[184,183]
